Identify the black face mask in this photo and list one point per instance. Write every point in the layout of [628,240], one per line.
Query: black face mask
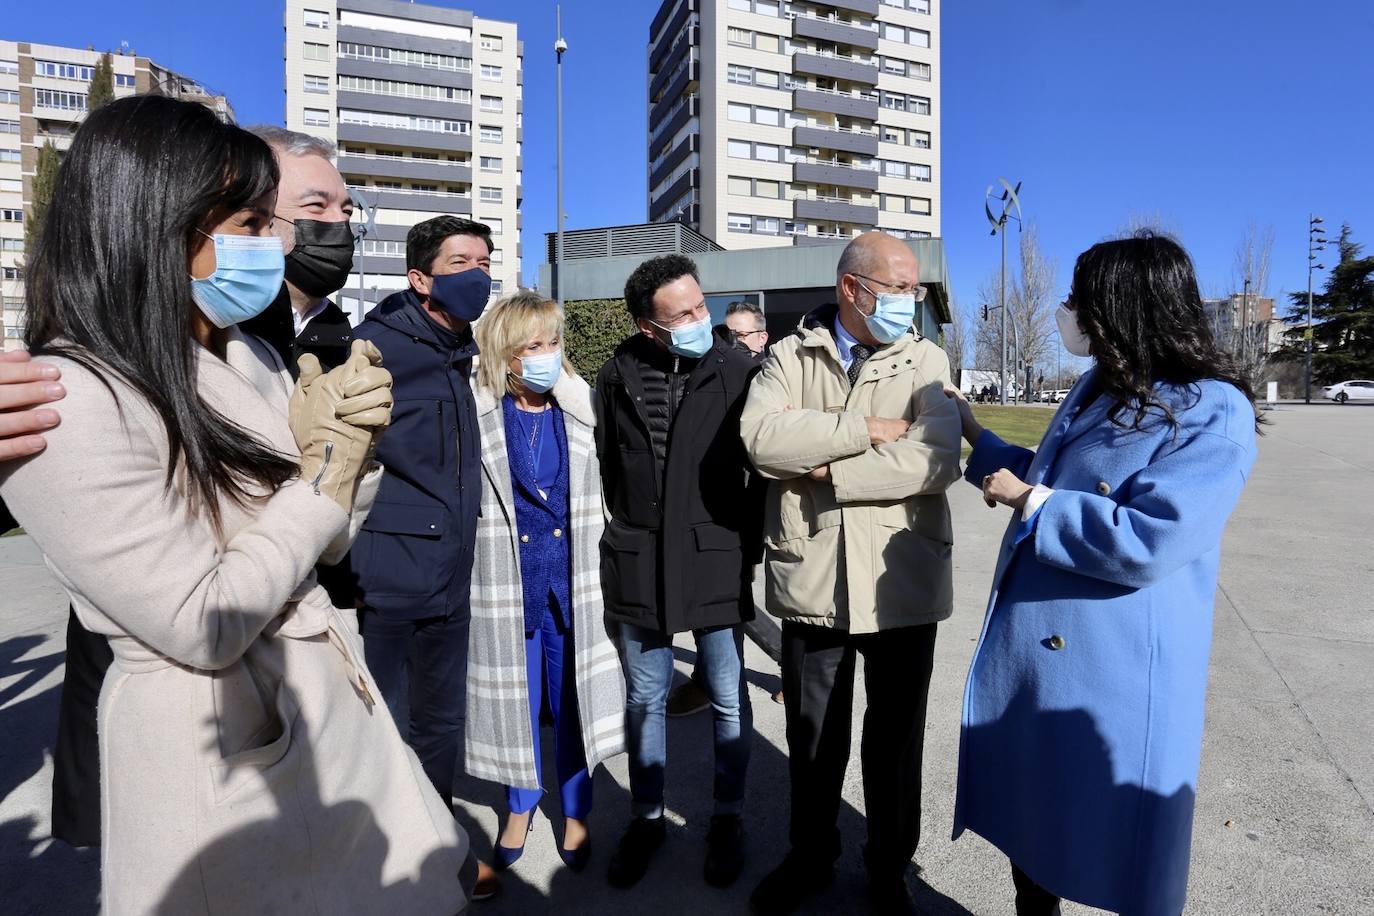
[323,257]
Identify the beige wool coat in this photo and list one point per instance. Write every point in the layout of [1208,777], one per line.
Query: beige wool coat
[868,549]
[246,764]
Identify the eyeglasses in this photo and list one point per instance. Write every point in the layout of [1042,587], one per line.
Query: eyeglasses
[919,290]
[742,335]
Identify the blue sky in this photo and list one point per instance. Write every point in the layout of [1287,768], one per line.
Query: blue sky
[1208,113]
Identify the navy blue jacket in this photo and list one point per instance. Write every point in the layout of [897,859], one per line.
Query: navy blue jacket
[413,557]
[545,529]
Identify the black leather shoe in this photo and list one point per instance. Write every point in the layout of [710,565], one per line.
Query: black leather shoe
[631,860]
[724,850]
[790,884]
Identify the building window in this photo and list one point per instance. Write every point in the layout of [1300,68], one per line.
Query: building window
[894,32]
[767,116]
[11,244]
[426,59]
[744,6]
[739,222]
[318,84]
[894,65]
[739,37]
[790,82]
[491,134]
[316,117]
[766,152]
[490,195]
[738,112]
[315,51]
[9,155]
[12,216]
[405,90]
[10,66]
[494,224]
[766,78]
[491,73]
[894,102]
[918,138]
[740,187]
[763,188]
[56,70]
[769,43]
[9,96]
[9,127]
[316,19]
[919,205]
[404,122]
[920,71]
[920,172]
[736,149]
[766,224]
[492,103]
[125,80]
[894,169]
[490,163]
[384,247]
[893,135]
[66,101]
[741,75]
[498,256]
[14,273]
[491,42]
[497,287]
[917,37]
[918,104]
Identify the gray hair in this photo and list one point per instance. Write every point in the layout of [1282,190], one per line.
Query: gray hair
[746,308]
[294,143]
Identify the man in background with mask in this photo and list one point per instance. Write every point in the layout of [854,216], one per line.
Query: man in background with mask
[312,221]
[413,558]
[849,420]
[680,546]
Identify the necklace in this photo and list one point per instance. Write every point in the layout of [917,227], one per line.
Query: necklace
[532,453]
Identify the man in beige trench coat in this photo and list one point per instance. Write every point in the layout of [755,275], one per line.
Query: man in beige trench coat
[849,420]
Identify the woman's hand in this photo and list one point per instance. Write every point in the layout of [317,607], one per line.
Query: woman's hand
[971,428]
[24,387]
[1006,488]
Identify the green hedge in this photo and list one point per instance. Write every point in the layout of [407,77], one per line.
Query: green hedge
[594,328]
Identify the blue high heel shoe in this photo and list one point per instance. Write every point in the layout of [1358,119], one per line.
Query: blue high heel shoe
[576,859]
[503,857]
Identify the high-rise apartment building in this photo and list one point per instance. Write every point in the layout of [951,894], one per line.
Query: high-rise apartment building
[425,104]
[780,123]
[43,98]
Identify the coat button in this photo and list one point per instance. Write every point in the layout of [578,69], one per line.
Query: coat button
[524,539]
[1056,642]
[558,532]
[1104,488]
[432,527]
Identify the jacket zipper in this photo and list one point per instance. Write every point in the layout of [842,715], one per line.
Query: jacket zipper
[439,422]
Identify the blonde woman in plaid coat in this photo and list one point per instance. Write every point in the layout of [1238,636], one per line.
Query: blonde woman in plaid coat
[538,626]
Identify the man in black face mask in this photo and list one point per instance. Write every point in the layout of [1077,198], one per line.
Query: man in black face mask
[312,221]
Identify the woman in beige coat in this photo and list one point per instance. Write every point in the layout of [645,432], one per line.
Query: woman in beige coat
[182,503]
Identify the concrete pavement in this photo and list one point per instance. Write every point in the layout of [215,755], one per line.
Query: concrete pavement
[1285,812]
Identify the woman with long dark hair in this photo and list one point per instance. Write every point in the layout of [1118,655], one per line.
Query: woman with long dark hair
[1083,714]
[183,503]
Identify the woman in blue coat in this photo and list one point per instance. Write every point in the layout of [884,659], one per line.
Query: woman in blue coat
[1082,724]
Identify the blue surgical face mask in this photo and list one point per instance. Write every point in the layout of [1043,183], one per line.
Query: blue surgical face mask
[540,373]
[691,340]
[463,295]
[248,275]
[892,316]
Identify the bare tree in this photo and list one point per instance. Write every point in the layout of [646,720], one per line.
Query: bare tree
[957,340]
[987,331]
[1138,221]
[1250,335]
[1030,313]
[1253,256]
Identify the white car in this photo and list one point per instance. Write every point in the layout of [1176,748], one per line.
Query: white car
[1360,389]
[1053,397]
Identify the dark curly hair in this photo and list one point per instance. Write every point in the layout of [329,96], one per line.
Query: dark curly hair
[1137,300]
[653,275]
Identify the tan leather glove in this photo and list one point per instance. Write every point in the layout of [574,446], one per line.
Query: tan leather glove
[339,414]
[310,372]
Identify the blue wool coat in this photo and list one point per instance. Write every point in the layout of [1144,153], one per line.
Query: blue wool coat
[1082,723]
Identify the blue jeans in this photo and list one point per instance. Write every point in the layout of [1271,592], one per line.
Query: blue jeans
[421,669]
[549,669]
[648,658]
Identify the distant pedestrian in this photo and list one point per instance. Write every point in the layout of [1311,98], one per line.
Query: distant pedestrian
[1084,709]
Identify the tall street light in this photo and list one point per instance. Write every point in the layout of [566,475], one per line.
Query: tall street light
[559,46]
[1011,200]
[1316,242]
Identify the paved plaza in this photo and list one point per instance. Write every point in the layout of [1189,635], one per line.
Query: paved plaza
[1285,812]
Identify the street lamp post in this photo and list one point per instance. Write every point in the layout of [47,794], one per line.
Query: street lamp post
[559,46]
[1315,243]
[1245,325]
[1010,198]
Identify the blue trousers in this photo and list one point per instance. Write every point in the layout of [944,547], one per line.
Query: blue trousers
[648,657]
[549,672]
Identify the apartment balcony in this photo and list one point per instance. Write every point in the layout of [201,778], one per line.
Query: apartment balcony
[401,199]
[834,210]
[662,42]
[831,102]
[856,70]
[812,241]
[406,139]
[408,73]
[686,77]
[670,63]
[841,176]
[829,30]
[375,166]
[674,159]
[659,205]
[662,134]
[397,104]
[867,7]
[849,141]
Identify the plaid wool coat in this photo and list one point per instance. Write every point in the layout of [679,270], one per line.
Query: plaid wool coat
[500,746]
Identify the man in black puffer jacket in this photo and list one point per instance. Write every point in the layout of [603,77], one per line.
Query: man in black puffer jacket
[681,545]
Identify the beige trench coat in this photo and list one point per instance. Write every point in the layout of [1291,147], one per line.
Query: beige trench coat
[869,548]
[244,767]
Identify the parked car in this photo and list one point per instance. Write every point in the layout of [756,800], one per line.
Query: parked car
[1054,396]
[1360,389]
